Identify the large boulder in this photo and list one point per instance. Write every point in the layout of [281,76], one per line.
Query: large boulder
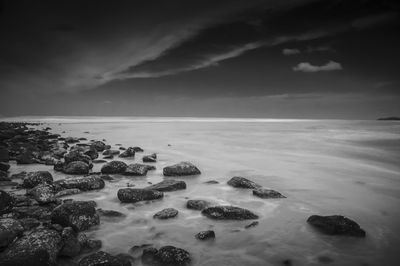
[136,169]
[130,152]
[9,230]
[170,255]
[114,167]
[101,258]
[336,225]
[241,182]
[166,213]
[76,168]
[168,185]
[38,248]
[42,193]
[83,183]
[80,215]
[228,213]
[6,202]
[267,193]
[133,195]
[197,204]
[181,169]
[35,178]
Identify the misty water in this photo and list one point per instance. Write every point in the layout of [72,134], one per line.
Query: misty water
[322,166]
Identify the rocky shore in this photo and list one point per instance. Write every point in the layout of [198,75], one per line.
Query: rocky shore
[39,225]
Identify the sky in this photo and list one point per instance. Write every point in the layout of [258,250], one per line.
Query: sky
[335,59]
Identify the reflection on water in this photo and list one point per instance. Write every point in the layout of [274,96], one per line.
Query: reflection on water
[323,167]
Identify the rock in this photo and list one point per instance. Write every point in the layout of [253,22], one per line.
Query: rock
[181,169]
[82,183]
[72,246]
[43,193]
[108,157]
[101,258]
[76,168]
[211,182]
[37,212]
[171,255]
[90,245]
[126,259]
[251,225]
[67,192]
[168,185]
[203,235]
[25,158]
[4,166]
[76,156]
[197,204]
[149,256]
[80,215]
[99,161]
[133,195]
[228,213]
[29,223]
[9,230]
[110,213]
[137,149]
[241,182]
[3,177]
[114,167]
[136,169]
[4,157]
[336,225]
[111,152]
[98,145]
[58,166]
[40,247]
[35,178]
[166,213]
[8,183]
[130,152]
[267,193]
[152,158]
[92,153]
[71,140]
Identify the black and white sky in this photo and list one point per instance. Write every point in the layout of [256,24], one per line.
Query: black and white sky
[212,58]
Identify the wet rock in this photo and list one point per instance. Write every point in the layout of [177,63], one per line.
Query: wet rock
[114,167]
[211,182]
[80,215]
[72,246]
[67,192]
[37,212]
[121,148]
[149,256]
[228,213]
[133,195]
[9,230]
[137,149]
[111,152]
[106,177]
[181,169]
[101,258]
[108,156]
[40,247]
[71,140]
[58,166]
[92,153]
[173,256]
[82,183]
[98,145]
[110,213]
[29,223]
[35,178]
[76,156]
[76,168]
[8,183]
[336,225]
[4,166]
[91,245]
[168,185]
[126,259]
[43,193]
[99,161]
[152,158]
[166,213]
[203,235]
[25,158]
[241,182]
[197,204]
[253,224]
[20,175]
[130,152]
[267,193]
[136,169]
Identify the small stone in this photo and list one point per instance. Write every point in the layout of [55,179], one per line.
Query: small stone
[228,213]
[114,167]
[203,235]
[168,185]
[166,213]
[267,193]
[241,182]
[132,195]
[181,169]
[197,204]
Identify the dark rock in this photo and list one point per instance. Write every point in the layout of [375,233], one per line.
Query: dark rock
[130,152]
[121,148]
[67,192]
[152,158]
[111,152]
[126,259]
[166,213]
[114,167]
[100,258]
[40,247]
[76,168]
[92,245]
[133,195]
[99,161]
[211,182]
[149,256]
[197,204]
[241,182]
[108,157]
[181,169]
[110,213]
[267,193]
[8,183]
[137,149]
[83,183]
[76,156]
[203,235]
[29,223]
[37,212]
[59,166]
[171,255]
[228,213]
[92,153]
[136,169]
[336,225]
[43,193]
[20,175]
[9,230]
[72,246]
[106,177]
[35,178]
[4,166]
[3,176]
[71,140]
[168,185]
[80,215]
[251,225]
[25,158]
[99,145]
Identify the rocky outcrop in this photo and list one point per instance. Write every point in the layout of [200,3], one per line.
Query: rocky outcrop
[114,167]
[101,258]
[152,158]
[130,152]
[35,178]
[6,202]
[197,204]
[267,193]
[181,169]
[76,168]
[133,195]
[82,183]
[136,169]
[241,182]
[336,225]
[166,213]
[168,185]
[228,213]
[203,235]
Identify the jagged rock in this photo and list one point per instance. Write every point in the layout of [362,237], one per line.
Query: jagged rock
[42,193]
[4,166]
[197,204]
[228,213]
[9,230]
[152,158]
[80,215]
[241,182]
[166,213]
[203,235]
[67,192]
[114,167]
[83,183]
[267,193]
[40,247]
[336,225]
[168,185]
[35,178]
[181,169]
[136,169]
[133,195]
[76,168]
[173,256]
[101,258]
[130,152]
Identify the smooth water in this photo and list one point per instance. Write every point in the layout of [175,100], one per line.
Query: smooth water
[322,166]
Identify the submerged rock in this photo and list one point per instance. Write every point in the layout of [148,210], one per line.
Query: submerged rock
[82,183]
[132,195]
[130,152]
[76,168]
[80,215]
[6,202]
[228,213]
[197,204]
[101,258]
[267,193]
[168,185]
[136,169]
[203,235]
[137,149]
[211,182]
[181,169]
[114,167]
[241,182]
[166,213]
[336,225]
[152,158]
[35,178]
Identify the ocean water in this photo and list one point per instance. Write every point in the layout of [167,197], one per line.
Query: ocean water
[322,166]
